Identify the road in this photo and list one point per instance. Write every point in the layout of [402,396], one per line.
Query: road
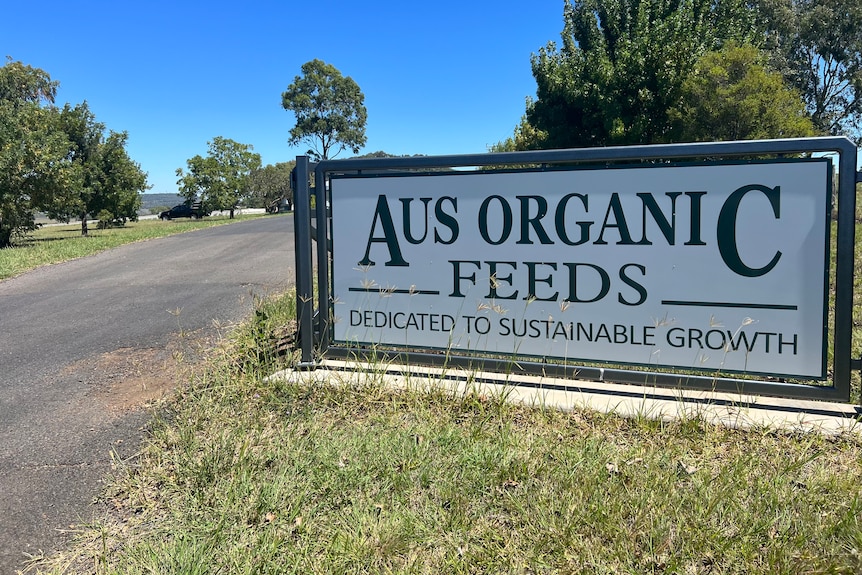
[84,344]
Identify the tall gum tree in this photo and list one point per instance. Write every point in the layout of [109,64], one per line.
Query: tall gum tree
[329,108]
[817,45]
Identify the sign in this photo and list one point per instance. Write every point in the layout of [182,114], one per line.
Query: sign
[718,267]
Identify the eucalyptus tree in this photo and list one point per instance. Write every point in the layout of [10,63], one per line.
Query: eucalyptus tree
[817,45]
[329,108]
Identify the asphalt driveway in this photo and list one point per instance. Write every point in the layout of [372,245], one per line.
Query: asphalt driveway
[85,344]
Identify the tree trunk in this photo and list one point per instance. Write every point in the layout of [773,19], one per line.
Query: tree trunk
[84,224]
[5,235]
[231,214]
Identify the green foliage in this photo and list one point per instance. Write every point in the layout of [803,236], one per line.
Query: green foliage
[221,180]
[624,73]
[21,84]
[817,45]
[268,185]
[731,95]
[329,108]
[33,151]
[622,66]
[526,137]
[123,181]
[106,182]
[58,160]
[378,154]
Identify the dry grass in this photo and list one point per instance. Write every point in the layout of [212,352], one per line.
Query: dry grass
[246,476]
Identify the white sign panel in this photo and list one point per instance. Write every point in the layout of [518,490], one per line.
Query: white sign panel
[718,267]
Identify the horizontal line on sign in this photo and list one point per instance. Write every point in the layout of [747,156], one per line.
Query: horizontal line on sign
[399,291]
[730,304]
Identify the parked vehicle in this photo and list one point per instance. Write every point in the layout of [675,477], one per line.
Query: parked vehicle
[187,210]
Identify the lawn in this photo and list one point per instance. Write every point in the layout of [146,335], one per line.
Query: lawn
[58,243]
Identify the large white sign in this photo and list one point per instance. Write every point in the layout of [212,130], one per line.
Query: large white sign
[718,267]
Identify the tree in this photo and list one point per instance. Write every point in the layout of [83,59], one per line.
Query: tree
[270,184]
[329,108]
[58,160]
[221,179]
[105,182]
[122,182]
[732,95]
[526,137]
[85,136]
[21,84]
[622,65]
[33,152]
[817,45]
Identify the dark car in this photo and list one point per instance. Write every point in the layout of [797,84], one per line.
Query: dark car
[183,211]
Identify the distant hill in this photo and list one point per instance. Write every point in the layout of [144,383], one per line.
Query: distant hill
[382,154]
[152,200]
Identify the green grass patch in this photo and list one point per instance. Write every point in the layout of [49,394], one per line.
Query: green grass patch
[55,244]
[244,476]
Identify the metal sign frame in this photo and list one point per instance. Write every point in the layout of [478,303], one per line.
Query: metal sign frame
[314,306]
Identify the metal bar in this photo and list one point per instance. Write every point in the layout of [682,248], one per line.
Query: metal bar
[304,268]
[651,152]
[323,258]
[845,248]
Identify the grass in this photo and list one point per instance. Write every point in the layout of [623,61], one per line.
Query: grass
[243,475]
[239,474]
[55,244]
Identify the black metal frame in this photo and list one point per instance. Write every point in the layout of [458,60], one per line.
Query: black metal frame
[314,326]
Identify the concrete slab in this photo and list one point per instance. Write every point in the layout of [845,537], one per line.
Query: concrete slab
[738,411]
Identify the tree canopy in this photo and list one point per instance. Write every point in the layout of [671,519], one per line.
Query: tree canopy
[33,150]
[106,183]
[58,160]
[20,84]
[329,108]
[221,179]
[621,67]
[655,71]
[268,185]
[732,95]
[817,45]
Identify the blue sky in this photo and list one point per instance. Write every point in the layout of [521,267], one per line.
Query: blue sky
[439,77]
